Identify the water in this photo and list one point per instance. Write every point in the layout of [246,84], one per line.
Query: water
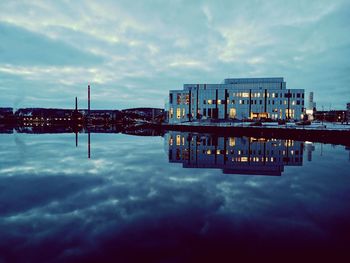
[174,198]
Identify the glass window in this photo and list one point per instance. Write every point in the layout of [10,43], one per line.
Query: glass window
[178,98]
[178,113]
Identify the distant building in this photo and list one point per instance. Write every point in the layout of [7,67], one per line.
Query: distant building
[331,116]
[6,114]
[234,155]
[348,112]
[247,98]
[311,108]
[148,114]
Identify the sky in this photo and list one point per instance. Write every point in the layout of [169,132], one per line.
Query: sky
[133,52]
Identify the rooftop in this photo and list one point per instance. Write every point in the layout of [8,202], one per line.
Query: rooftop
[253,80]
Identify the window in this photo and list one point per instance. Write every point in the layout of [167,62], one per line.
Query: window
[171,98]
[178,113]
[298,95]
[245,95]
[178,98]
[183,113]
[232,113]
[187,98]
[298,102]
[204,112]
[232,141]
[178,140]
[204,102]
[233,101]
[260,101]
[210,102]
[171,113]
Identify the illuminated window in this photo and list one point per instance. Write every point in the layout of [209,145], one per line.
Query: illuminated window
[210,101]
[171,112]
[178,98]
[178,140]
[232,113]
[178,113]
[183,113]
[245,95]
[187,99]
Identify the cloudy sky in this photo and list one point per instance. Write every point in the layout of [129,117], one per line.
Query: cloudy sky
[133,52]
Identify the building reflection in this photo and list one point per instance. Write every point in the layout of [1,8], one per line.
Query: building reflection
[234,155]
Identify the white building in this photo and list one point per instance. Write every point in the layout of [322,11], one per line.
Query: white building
[248,98]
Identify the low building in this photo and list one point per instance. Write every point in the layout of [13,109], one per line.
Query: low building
[242,99]
[147,114]
[6,114]
[331,116]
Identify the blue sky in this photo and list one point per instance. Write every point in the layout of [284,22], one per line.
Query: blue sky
[133,52]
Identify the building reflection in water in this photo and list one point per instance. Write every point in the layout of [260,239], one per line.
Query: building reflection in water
[234,155]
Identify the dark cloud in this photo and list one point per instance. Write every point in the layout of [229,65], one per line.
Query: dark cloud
[22,47]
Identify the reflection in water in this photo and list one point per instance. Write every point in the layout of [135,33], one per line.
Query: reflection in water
[129,204]
[234,155]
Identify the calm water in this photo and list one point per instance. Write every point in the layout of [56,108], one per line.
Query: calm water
[175,198]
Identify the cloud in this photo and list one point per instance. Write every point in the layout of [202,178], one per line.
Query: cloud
[154,47]
[22,47]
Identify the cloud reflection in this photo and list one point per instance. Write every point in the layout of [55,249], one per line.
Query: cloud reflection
[57,205]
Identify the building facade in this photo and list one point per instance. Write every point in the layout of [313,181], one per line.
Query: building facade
[247,98]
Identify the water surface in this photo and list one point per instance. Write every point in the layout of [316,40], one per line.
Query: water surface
[175,198]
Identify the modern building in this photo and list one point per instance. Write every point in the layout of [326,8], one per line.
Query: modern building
[311,108]
[234,155]
[247,98]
